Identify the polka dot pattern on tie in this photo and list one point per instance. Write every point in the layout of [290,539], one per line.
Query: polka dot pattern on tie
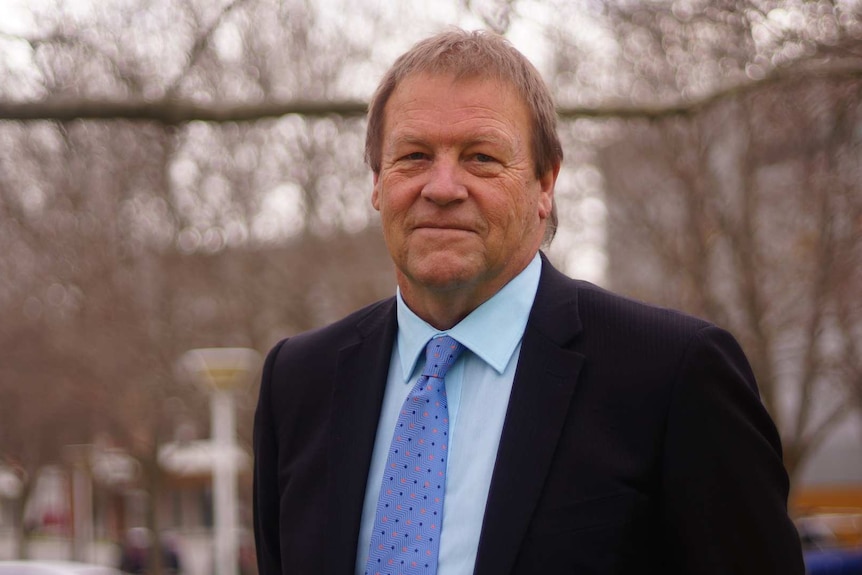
[406,536]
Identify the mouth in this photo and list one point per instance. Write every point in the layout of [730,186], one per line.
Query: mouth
[442,227]
[445,234]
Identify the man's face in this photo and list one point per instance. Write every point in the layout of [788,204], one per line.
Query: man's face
[460,203]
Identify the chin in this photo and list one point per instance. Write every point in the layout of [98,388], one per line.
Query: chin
[446,272]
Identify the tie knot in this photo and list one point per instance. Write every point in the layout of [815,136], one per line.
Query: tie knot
[440,354]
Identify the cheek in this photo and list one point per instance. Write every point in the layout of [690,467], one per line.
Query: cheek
[392,211]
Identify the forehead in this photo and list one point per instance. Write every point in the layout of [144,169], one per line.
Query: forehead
[427,99]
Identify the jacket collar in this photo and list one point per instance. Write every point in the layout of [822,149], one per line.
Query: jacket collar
[360,380]
[541,395]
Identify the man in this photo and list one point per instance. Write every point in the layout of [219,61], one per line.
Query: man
[573,431]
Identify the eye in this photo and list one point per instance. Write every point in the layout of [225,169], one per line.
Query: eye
[484,158]
[414,156]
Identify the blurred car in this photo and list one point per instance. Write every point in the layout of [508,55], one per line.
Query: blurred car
[833,561]
[831,543]
[40,567]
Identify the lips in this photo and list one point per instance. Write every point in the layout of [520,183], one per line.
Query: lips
[442,233]
[444,226]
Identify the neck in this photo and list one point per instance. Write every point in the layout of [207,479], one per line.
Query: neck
[443,308]
[443,311]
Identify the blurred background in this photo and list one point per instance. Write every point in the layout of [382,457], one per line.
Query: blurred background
[184,174]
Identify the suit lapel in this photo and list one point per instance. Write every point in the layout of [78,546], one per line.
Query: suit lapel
[541,393]
[361,376]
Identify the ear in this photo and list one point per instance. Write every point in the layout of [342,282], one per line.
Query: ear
[375,192]
[546,191]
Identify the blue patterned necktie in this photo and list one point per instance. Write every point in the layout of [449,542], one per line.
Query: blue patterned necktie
[406,536]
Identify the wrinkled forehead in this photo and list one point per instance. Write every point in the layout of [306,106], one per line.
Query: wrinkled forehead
[419,79]
[444,92]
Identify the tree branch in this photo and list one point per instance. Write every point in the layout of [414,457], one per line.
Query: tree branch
[200,44]
[173,112]
[804,72]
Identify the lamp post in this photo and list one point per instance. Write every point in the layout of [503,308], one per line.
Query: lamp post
[79,457]
[222,370]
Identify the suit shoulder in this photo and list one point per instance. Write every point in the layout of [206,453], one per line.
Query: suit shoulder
[594,300]
[615,311]
[332,337]
[567,307]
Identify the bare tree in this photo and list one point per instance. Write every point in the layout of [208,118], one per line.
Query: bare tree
[127,243]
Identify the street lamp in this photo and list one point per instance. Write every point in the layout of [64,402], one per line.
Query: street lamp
[222,370]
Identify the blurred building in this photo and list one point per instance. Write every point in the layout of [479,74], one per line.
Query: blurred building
[831,479]
[186,508]
[115,506]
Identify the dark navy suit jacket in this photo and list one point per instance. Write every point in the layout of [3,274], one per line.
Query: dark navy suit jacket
[635,442]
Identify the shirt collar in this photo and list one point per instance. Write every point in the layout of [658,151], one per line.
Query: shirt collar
[504,315]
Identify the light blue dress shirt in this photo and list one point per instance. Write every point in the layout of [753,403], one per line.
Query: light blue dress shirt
[478,386]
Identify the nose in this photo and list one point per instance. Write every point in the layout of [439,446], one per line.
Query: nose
[444,185]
